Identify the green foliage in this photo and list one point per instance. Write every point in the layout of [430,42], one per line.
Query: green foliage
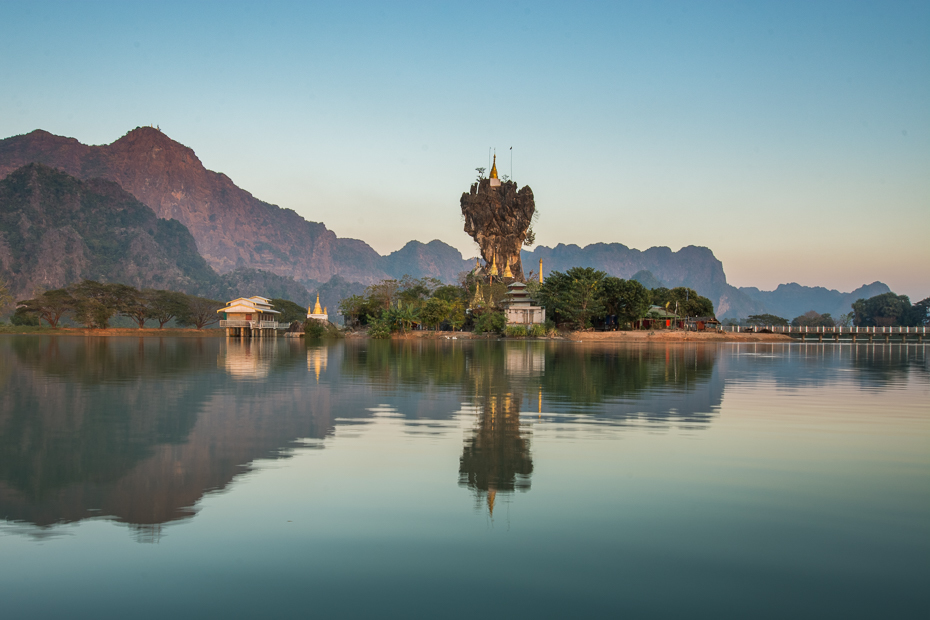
[378,328]
[766,319]
[575,296]
[290,311]
[490,321]
[628,300]
[314,329]
[165,305]
[813,319]
[24,318]
[683,301]
[51,305]
[200,312]
[96,303]
[435,311]
[888,310]
[537,330]
[5,297]
[515,331]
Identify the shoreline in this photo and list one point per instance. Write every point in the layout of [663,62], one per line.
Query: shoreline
[663,336]
[147,332]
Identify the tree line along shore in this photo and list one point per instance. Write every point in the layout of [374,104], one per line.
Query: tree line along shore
[581,299]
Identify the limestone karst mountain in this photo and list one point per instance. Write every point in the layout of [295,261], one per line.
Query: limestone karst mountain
[232,228]
[266,248]
[56,230]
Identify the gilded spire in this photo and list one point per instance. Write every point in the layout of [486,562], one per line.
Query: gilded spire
[494,168]
[316,307]
[507,272]
[540,271]
[493,271]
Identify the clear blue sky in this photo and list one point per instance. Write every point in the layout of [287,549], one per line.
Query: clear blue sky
[792,138]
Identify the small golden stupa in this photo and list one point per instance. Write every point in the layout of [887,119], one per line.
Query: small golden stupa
[318,313]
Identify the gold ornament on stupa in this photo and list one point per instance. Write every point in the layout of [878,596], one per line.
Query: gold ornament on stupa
[316,307]
[494,168]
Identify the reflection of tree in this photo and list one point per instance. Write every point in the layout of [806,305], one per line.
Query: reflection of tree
[496,457]
[663,385]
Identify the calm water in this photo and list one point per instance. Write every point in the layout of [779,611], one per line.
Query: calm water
[146,477]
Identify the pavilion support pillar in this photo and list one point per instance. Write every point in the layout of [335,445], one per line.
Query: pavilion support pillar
[887,338]
[854,338]
[820,337]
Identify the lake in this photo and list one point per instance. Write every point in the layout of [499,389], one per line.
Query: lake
[145,477]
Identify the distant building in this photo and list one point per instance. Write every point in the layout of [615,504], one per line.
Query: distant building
[250,317]
[519,308]
[657,317]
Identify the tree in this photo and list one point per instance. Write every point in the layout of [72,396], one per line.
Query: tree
[885,310]
[457,315]
[136,307]
[51,305]
[434,312]
[844,320]
[813,319]
[290,311]
[24,318]
[383,294]
[165,305]
[200,312]
[97,303]
[628,300]
[766,319]
[585,295]
[920,315]
[6,298]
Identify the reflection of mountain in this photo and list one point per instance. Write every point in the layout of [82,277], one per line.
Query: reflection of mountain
[139,430]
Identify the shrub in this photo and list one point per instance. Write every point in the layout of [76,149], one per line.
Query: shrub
[379,329]
[24,318]
[490,322]
[321,329]
[515,331]
[538,330]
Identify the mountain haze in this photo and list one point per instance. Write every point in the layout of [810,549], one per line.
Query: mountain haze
[260,248]
[56,230]
[232,228]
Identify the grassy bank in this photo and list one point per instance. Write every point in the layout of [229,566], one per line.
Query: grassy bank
[113,331]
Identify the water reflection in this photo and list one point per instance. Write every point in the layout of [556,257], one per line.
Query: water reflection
[139,430]
[496,456]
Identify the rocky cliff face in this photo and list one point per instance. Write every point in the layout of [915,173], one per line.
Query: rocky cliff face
[792,300]
[56,230]
[691,266]
[232,228]
[498,219]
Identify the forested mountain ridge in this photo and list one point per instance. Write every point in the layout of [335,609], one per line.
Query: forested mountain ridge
[232,228]
[56,230]
[261,248]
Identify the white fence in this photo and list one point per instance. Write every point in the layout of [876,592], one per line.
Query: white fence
[781,329]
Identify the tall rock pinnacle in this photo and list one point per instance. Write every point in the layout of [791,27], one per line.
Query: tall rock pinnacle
[499,218]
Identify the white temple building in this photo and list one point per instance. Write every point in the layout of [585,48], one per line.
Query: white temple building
[250,316]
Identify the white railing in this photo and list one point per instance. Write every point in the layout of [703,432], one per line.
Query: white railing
[782,329]
[249,324]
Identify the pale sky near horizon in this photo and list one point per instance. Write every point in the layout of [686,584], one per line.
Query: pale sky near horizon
[791,138]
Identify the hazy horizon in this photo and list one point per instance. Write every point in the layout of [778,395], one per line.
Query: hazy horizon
[790,139]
